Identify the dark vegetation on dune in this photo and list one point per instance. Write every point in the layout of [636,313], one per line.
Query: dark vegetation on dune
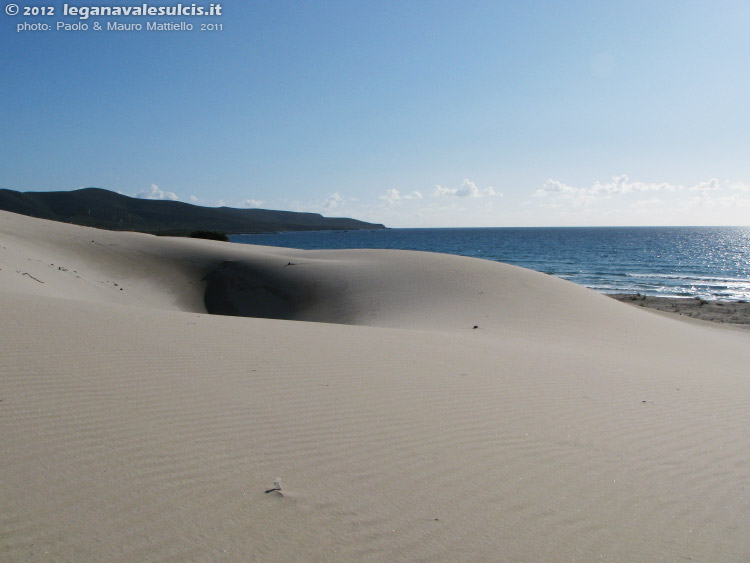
[210,235]
[95,207]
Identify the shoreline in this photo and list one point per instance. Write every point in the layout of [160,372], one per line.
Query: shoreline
[553,251]
[735,313]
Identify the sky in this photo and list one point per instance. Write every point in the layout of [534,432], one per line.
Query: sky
[411,113]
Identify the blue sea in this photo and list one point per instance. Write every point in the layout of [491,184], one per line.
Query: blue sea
[711,263]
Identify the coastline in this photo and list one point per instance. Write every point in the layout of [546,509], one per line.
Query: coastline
[734,313]
[604,259]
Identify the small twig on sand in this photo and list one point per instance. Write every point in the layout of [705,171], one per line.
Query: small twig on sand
[32,277]
[276,486]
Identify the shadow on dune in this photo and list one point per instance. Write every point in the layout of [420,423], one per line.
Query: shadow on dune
[406,290]
[243,290]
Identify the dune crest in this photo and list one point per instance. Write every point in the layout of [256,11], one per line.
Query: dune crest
[387,288]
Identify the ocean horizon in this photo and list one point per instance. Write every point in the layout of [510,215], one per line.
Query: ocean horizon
[711,263]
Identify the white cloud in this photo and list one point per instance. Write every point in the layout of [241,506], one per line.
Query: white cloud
[251,203]
[710,186]
[555,187]
[193,198]
[334,201]
[576,196]
[391,197]
[155,193]
[709,201]
[740,187]
[623,185]
[704,199]
[467,189]
[619,185]
[394,196]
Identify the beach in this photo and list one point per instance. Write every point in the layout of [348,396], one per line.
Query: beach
[414,406]
[733,313]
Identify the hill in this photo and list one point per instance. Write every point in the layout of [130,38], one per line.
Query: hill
[104,209]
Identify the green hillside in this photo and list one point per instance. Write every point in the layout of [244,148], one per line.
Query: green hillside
[104,209]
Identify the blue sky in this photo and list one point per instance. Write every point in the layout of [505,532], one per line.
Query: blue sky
[409,113]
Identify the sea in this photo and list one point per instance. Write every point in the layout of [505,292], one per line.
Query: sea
[711,263]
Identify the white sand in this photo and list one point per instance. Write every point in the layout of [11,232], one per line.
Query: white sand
[567,427]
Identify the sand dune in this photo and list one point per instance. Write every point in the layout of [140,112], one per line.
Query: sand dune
[566,426]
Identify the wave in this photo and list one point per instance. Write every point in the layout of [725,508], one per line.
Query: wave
[699,278]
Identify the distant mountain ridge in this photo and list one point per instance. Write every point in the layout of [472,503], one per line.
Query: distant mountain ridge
[104,209]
